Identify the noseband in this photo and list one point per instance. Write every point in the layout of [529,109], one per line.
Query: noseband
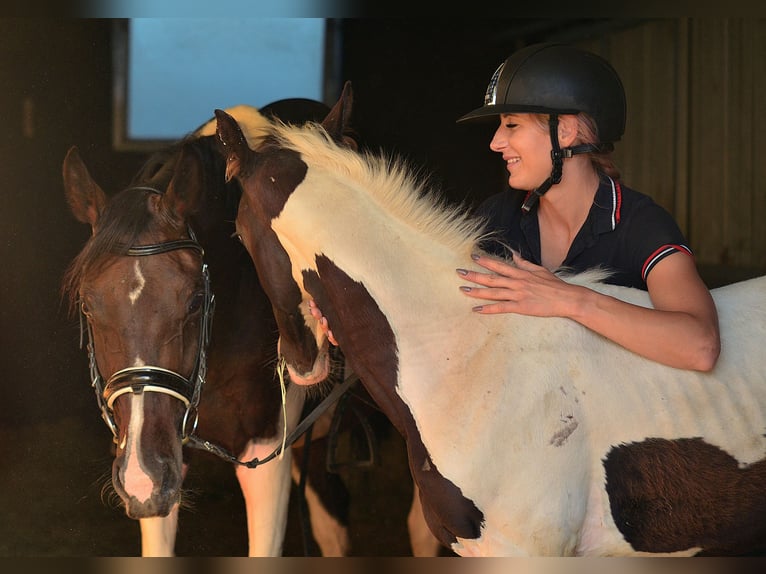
[150,378]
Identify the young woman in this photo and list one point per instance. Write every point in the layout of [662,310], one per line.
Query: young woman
[560,110]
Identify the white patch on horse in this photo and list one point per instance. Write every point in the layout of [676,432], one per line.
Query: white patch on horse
[137,483]
[135,293]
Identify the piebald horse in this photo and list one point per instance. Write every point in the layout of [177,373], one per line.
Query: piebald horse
[526,436]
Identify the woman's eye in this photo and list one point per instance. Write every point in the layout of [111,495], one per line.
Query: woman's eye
[511,126]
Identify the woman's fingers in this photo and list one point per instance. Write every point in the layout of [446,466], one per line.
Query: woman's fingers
[322,320]
[501,266]
[327,331]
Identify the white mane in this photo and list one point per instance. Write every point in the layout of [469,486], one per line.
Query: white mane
[396,187]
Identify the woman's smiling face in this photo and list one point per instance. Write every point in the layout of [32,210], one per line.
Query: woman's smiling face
[526,149]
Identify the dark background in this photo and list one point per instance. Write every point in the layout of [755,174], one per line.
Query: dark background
[411,79]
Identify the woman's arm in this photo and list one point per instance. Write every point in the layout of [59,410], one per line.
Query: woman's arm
[681,330]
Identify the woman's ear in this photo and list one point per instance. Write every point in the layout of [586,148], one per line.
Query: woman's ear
[567,130]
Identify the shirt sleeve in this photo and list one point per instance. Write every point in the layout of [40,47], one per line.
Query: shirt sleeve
[653,235]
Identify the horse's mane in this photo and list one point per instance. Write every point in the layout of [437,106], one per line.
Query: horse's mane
[588,278]
[396,186]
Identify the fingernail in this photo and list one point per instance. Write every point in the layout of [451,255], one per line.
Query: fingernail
[462,271]
[475,256]
[465,289]
[478,308]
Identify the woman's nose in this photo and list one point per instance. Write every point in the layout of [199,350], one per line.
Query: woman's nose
[497,143]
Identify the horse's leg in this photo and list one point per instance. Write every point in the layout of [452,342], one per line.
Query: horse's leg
[158,535]
[423,542]
[327,500]
[266,488]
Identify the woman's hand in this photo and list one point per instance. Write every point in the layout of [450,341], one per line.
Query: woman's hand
[322,320]
[519,287]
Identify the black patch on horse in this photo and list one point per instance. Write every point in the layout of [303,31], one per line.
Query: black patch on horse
[672,495]
[365,334]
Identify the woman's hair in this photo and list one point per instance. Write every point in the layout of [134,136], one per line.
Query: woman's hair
[587,133]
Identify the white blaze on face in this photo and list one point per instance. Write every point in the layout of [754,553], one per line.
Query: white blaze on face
[135,293]
[137,483]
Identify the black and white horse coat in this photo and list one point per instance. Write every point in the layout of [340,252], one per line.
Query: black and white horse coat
[525,435]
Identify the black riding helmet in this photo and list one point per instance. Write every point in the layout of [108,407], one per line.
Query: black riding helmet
[557,79]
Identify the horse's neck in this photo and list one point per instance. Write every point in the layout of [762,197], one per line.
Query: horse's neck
[409,273]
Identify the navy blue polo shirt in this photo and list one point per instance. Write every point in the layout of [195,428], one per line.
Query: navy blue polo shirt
[625,232]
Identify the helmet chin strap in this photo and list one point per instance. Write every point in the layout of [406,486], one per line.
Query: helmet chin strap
[557,158]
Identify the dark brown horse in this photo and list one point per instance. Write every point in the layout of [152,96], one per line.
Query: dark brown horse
[160,260]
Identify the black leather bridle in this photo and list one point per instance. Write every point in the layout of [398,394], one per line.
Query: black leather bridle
[149,378]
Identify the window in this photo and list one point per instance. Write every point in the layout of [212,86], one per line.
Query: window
[170,74]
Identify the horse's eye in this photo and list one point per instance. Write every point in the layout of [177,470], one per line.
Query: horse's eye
[196,302]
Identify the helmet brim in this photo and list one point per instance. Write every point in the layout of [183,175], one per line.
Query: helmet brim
[486,113]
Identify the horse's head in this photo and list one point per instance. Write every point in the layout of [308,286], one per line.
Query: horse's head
[270,174]
[144,296]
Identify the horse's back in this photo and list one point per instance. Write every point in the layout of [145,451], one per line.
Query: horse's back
[748,296]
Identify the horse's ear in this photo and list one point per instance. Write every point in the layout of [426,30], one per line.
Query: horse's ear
[184,192]
[233,143]
[85,198]
[337,121]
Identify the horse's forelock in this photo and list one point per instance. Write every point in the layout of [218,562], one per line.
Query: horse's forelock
[124,219]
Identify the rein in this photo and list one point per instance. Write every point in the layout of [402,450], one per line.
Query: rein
[150,378]
[299,430]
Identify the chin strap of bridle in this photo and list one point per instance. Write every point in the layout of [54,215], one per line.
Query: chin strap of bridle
[557,158]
